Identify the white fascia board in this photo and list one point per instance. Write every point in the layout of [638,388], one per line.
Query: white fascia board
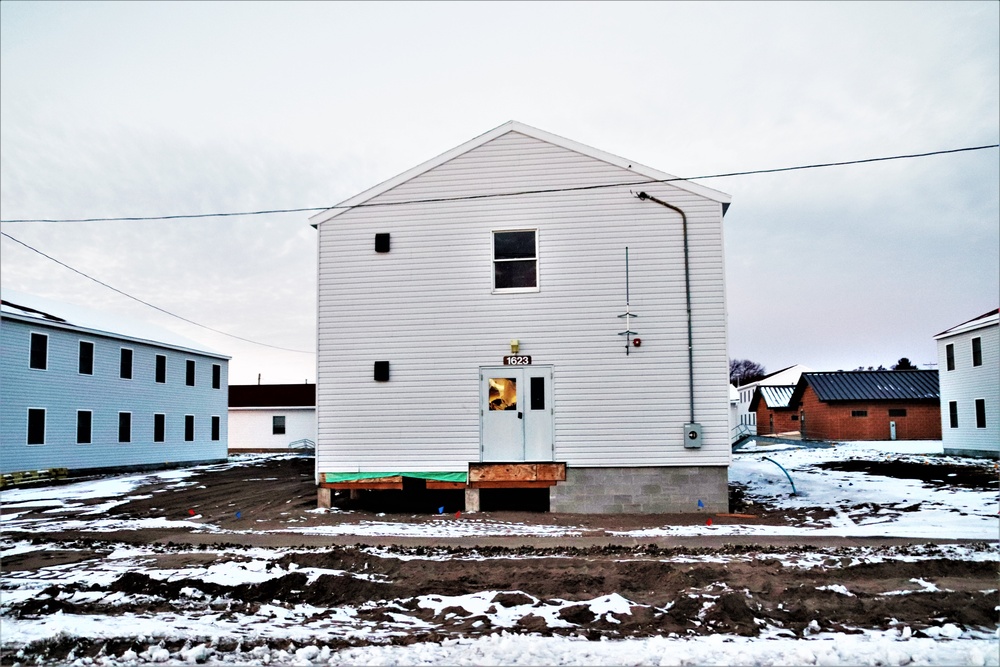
[39,322]
[981,323]
[514,126]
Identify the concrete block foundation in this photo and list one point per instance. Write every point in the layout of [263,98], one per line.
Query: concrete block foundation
[642,490]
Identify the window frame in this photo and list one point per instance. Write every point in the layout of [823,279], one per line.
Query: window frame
[188,428]
[157,374]
[949,356]
[33,336]
[89,427]
[494,261]
[128,432]
[977,351]
[216,376]
[952,414]
[190,372]
[81,357]
[859,413]
[980,412]
[159,427]
[29,429]
[121,363]
[216,428]
[275,425]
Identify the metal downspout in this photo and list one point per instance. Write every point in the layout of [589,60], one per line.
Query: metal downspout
[687,292]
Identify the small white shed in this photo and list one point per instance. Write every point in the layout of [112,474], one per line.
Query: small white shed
[272,417]
[526,311]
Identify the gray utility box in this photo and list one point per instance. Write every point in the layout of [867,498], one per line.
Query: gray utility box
[692,436]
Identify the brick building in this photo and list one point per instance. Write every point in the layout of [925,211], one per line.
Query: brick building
[773,409]
[869,405]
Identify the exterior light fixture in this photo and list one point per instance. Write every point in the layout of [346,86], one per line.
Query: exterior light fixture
[515,345]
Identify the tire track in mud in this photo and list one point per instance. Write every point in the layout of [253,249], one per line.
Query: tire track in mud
[423,594]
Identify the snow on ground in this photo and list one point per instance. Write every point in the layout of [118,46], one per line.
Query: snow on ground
[946,512]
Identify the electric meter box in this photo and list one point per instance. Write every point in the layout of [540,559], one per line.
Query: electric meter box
[692,436]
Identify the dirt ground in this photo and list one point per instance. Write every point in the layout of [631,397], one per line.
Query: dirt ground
[688,587]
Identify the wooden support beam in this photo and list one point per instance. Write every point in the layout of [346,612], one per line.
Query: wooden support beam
[513,484]
[375,484]
[517,472]
[434,484]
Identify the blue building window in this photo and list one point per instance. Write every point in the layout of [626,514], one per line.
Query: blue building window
[125,364]
[124,427]
[86,366]
[84,418]
[36,426]
[38,357]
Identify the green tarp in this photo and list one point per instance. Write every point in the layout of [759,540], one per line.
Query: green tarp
[331,477]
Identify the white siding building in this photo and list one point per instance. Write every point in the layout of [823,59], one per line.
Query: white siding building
[272,417]
[471,330]
[969,372]
[78,397]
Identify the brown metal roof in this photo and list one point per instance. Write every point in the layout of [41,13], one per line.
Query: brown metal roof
[272,395]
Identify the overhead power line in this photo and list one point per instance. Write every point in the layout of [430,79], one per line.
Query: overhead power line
[146,303]
[511,194]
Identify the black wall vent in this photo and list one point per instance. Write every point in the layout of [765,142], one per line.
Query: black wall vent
[381,371]
[382,242]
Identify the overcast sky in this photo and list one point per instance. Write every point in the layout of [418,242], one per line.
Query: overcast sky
[146,108]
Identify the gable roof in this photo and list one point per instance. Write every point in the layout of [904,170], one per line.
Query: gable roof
[984,320]
[774,396]
[870,386]
[785,376]
[643,174]
[272,395]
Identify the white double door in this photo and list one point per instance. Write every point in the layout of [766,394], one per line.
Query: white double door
[516,408]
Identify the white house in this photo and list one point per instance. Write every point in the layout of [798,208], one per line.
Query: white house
[785,377]
[524,311]
[969,372]
[80,392]
[269,417]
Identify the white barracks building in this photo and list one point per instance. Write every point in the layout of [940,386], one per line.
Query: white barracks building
[473,331]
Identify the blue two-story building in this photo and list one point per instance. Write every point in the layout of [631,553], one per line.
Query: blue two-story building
[82,394]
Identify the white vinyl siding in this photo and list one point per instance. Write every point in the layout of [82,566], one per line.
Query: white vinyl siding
[969,383]
[253,428]
[429,308]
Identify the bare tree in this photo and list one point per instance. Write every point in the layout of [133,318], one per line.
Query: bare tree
[743,371]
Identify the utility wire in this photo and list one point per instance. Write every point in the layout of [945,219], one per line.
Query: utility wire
[423,201]
[146,303]
[513,194]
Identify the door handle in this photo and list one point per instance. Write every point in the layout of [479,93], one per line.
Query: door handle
[520,415]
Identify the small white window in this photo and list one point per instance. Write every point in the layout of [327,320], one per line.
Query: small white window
[515,260]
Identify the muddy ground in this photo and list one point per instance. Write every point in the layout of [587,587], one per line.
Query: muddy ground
[693,588]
